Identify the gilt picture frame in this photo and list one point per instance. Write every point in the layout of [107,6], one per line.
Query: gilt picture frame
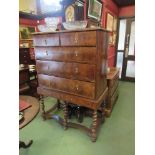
[109,22]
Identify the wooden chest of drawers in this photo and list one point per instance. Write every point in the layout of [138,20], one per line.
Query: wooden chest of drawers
[71,65]
[112,81]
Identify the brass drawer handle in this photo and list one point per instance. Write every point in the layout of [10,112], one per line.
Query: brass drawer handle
[76,53]
[45,42]
[76,38]
[76,70]
[46,52]
[77,87]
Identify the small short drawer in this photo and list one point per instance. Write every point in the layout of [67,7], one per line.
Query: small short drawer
[111,82]
[78,38]
[69,54]
[84,72]
[46,40]
[76,87]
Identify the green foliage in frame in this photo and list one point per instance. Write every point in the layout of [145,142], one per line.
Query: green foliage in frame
[25,31]
[95,9]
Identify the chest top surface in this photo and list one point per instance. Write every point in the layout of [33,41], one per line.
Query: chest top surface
[66,31]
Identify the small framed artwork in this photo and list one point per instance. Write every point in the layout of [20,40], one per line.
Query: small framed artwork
[70,13]
[110,41]
[109,22]
[25,31]
[94,8]
[115,24]
[114,38]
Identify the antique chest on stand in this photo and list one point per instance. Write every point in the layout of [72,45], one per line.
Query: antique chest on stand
[71,66]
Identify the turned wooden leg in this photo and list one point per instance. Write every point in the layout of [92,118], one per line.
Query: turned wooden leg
[58,104]
[80,114]
[65,109]
[103,115]
[42,107]
[94,126]
[103,107]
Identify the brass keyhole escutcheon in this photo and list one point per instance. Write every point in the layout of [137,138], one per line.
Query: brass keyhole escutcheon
[46,52]
[76,70]
[77,87]
[76,53]
[76,38]
[45,42]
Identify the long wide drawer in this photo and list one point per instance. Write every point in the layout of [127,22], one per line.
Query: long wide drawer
[70,54]
[78,38]
[46,40]
[76,87]
[84,72]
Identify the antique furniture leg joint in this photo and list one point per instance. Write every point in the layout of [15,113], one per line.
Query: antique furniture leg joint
[42,107]
[94,126]
[65,109]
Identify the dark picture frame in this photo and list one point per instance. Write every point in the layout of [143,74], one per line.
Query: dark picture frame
[94,9]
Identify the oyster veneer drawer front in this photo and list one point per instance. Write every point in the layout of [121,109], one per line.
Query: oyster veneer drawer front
[78,39]
[76,87]
[70,54]
[84,72]
[46,40]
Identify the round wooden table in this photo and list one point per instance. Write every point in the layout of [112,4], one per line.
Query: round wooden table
[29,115]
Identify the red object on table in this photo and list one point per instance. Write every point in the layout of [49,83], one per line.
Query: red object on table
[23,105]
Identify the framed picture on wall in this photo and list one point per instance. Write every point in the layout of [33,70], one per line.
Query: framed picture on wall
[115,24]
[114,38]
[110,39]
[25,31]
[94,8]
[109,22]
